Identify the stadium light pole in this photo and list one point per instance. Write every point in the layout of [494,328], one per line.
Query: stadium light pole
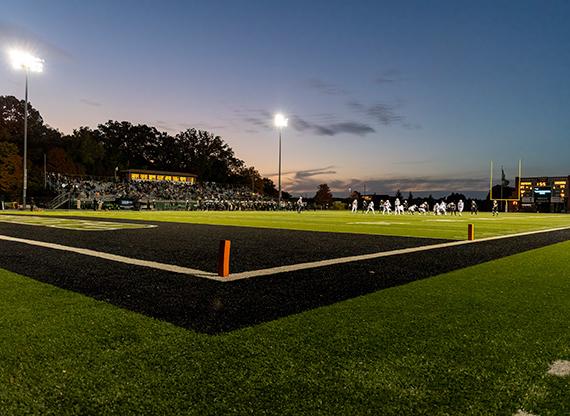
[29,63]
[280,121]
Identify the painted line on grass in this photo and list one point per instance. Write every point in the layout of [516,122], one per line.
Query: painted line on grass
[371,256]
[268,271]
[521,412]
[114,257]
[560,368]
[72,223]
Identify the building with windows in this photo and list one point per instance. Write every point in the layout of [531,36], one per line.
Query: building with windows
[544,194]
[154,175]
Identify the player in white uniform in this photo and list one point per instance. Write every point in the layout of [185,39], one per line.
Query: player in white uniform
[460,206]
[397,206]
[299,204]
[388,206]
[354,206]
[370,207]
[424,208]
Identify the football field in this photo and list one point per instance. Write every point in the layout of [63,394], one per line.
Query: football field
[428,226]
[323,313]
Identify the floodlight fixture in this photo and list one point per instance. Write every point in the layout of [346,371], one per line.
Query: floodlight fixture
[29,63]
[280,121]
[25,60]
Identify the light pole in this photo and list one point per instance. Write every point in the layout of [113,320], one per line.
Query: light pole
[280,122]
[29,63]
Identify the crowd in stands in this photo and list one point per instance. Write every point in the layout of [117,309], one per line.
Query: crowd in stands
[96,193]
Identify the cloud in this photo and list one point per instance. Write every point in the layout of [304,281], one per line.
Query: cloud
[297,183]
[331,129]
[382,113]
[422,184]
[90,102]
[388,77]
[305,181]
[306,173]
[259,122]
[309,173]
[326,124]
[325,87]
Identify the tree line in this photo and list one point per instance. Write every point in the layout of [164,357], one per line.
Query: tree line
[113,145]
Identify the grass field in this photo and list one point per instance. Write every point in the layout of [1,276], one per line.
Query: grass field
[450,227]
[476,341]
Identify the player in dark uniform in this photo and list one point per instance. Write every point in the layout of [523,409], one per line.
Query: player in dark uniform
[495,210]
[474,208]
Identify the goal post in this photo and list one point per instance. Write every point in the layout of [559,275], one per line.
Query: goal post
[504,183]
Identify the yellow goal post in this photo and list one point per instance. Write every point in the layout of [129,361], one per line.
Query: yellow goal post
[518,184]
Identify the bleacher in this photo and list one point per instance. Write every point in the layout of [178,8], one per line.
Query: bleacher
[86,192]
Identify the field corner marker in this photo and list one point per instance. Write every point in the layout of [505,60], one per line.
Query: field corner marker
[224,258]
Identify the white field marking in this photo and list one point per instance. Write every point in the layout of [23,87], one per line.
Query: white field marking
[523,413]
[262,272]
[113,257]
[378,223]
[560,368]
[72,224]
[444,220]
[362,257]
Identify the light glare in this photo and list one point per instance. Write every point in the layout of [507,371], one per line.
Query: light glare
[280,121]
[25,60]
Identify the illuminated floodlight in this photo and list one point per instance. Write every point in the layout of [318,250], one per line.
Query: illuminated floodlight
[25,60]
[280,121]
[29,63]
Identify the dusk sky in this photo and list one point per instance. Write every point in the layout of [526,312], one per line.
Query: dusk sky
[411,95]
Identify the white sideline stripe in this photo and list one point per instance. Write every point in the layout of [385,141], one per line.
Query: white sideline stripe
[342,260]
[114,257]
[262,272]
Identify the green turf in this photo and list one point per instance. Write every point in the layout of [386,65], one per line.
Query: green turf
[472,342]
[450,227]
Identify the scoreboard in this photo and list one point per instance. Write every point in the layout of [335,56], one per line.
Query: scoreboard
[542,195]
[548,194]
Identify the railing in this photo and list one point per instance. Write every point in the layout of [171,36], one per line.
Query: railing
[59,200]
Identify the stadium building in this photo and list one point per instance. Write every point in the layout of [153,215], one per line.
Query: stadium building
[155,175]
[544,194]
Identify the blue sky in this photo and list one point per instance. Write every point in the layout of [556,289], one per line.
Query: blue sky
[411,95]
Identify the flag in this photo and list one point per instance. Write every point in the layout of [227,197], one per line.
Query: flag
[504,181]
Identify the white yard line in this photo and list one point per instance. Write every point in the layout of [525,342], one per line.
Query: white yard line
[114,257]
[268,271]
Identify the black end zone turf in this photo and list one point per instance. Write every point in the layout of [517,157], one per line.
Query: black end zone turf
[196,245]
[214,307]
